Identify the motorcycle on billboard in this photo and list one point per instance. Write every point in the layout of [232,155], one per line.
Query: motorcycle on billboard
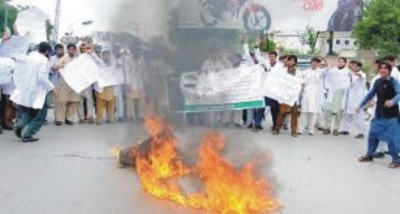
[255,16]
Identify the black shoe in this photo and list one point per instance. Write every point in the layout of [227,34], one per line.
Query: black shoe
[1,130]
[70,123]
[257,128]
[327,132]
[360,136]
[58,123]
[344,133]
[29,139]
[18,131]
[285,127]
[250,126]
[379,155]
[8,128]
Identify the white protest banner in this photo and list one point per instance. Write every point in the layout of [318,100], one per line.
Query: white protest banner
[6,67]
[81,72]
[32,23]
[16,45]
[110,76]
[231,89]
[283,87]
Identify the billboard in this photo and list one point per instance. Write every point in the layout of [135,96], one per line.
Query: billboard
[272,15]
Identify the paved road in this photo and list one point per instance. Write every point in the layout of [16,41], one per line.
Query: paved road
[71,171]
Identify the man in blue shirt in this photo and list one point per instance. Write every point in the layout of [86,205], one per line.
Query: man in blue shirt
[386,124]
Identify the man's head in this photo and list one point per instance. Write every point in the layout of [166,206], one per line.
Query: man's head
[44,48]
[342,62]
[71,48]
[272,57]
[291,61]
[390,59]
[59,50]
[315,63]
[357,66]
[376,66]
[283,60]
[385,69]
[351,64]
[82,48]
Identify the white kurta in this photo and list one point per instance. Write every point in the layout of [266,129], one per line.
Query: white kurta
[311,95]
[356,92]
[337,80]
[31,90]
[136,73]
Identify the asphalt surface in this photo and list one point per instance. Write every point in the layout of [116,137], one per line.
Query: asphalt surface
[71,170]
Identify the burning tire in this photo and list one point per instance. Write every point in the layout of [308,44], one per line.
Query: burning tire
[257,18]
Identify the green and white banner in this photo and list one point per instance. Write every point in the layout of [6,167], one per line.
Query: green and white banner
[231,89]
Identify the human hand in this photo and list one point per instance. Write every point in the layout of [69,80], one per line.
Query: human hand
[389,104]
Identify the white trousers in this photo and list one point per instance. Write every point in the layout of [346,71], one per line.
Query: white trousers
[308,120]
[356,119]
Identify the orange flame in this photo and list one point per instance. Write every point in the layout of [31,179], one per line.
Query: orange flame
[226,190]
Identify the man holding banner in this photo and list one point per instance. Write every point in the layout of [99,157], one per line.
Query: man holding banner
[69,98]
[55,77]
[288,101]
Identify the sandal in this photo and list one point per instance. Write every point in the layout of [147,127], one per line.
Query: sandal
[365,158]
[394,165]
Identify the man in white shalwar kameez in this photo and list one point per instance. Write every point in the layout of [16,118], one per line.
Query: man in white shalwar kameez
[30,94]
[337,82]
[355,95]
[312,79]
[137,76]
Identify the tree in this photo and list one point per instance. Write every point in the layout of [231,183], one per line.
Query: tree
[311,37]
[379,27]
[12,15]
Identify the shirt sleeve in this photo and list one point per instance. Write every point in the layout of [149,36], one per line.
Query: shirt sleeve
[371,94]
[246,53]
[43,77]
[265,63]
[396,85]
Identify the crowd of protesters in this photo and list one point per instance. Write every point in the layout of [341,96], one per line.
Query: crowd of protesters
[334,97]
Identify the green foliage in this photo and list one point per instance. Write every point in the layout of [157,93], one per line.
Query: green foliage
[311,37]
[291,52]
[12,15]
[379,27]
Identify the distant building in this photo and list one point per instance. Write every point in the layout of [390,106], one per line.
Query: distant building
[343,42]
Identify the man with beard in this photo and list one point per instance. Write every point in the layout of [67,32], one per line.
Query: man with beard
[337,82]
[67,96]
[356,92]
[55,78]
